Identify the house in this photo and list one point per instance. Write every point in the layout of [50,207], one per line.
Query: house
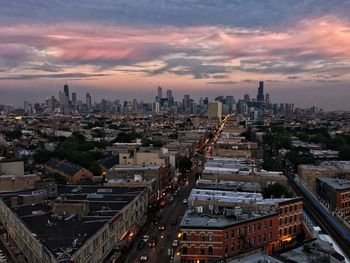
[73,172]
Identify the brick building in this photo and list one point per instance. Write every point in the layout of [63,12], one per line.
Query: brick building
[336,193]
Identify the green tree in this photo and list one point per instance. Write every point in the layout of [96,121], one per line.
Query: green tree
[276,190]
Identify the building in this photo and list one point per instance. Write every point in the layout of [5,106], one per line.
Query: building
[215,110]
[336,193]
[88,101]
[260,97]
[12,183]
[73,172]
[159,95]
[253,187]
[221,224]
[66,91]
[81,224]
[13,167]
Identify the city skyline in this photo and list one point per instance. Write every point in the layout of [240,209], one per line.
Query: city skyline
[125,50]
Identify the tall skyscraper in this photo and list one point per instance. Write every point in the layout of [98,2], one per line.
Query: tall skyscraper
[88,101]
[229,103]
[260,96]
[170,98]
[160,94]
[74,97]
[66,91]
[187,103]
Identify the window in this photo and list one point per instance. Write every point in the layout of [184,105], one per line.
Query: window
[202,237]
[295,207]
[295,217]
[264,239]
[270,236]
[285,231]
[238,232]
[281,221]
[184,250]
[232,248]
[253,241]
[280,232]
[248,229]
[264,224]
[290,219]
[259,239]
[290,230]
[233,233]
[295,228]
[226,249]
[281,210]
[202,250]
[253,228]
[285,209]
[290,209]
[259,227]
[226,235]
[270,223]
[210,250]
[184,236]
[285,220]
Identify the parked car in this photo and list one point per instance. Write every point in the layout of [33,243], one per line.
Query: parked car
[175,243]
[185,201]
[145,238]
[161,227]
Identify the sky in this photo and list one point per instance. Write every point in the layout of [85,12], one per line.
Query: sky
[125,49]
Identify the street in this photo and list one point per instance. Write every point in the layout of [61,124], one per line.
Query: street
[163,249]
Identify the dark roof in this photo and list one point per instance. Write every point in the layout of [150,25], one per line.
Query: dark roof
[63,166]
[109,161]
[337,256]
[70,233]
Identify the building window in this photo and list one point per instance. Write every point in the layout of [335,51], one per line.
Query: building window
[270,236]
[238,232]
[290,219]
[202,250]
[295,217]
[232,248]
[184,250]
[264,239]
[295,228]
[281,221]
[259,239]
[253,228]
[295,207]
[248,229]
[290,209]
[264,224]
[290,230]
[226,235]
[202,237]
[184,236]
[259,227]
[280,232]
[281,210]
[253,241]
[285,220]
[285,209]
[233,233]
[285,231]
[210,250]
[210,237]
[270,223]
[226,249]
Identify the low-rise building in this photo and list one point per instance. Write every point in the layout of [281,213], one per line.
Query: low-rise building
[81,224]
[253,187]
[336,193]
[12,183]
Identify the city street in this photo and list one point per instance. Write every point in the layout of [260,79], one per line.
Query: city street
[163,249]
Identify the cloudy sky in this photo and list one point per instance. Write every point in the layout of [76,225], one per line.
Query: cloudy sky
[125,49]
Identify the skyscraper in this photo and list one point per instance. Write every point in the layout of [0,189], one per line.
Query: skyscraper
[88,101]
[170,98]
[74,97]
[260,96]
[66,91]
[160,94]
[215,110]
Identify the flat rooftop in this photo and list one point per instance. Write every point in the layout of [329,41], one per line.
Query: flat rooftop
[338,184]
[68,233]
[255,258]
[193,219]
[228,185]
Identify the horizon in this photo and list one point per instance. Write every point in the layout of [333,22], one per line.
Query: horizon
[126,50]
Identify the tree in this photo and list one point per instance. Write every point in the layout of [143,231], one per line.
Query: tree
[276,190]
[185,163]
[59,179]
[95,168]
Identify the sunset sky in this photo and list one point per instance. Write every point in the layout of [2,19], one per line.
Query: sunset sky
[125,49]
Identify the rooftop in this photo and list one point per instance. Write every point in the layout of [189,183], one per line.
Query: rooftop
[229,185]
[59,233]
[338,184]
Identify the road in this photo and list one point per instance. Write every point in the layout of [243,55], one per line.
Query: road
[176,210]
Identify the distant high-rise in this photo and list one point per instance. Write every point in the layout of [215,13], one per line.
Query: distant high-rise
[229,103]
[187,103]
[215,110]
[246,98]
[66,91]
[88,101]
[160,94]
[260,96]
[267,97]
[74,97]
[170,98]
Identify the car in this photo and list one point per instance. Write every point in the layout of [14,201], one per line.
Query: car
[144,257]
[161,227]
[175,243]
[141,244]
[153,242]
[174,222]
[185,201]
[145,238]
[179,188]
[3,259]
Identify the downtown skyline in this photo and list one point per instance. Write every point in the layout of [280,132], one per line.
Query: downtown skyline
[123,49]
